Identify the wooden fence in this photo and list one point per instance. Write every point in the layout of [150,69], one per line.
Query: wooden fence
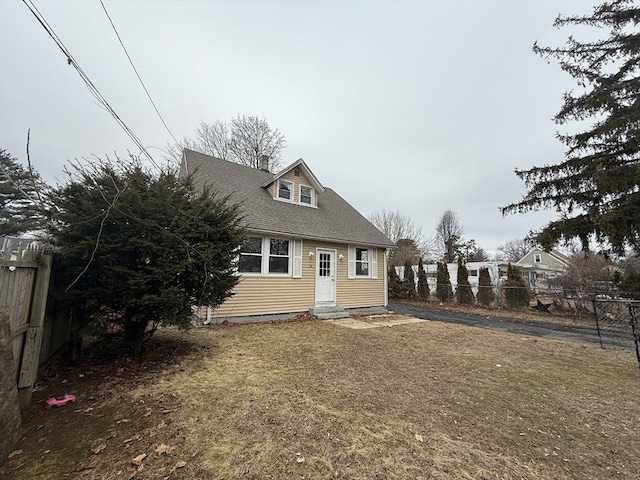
[25,270]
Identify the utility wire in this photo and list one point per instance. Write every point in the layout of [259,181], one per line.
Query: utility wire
[137,74]
[92,88]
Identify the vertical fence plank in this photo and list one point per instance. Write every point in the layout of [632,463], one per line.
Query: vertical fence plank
[29,365]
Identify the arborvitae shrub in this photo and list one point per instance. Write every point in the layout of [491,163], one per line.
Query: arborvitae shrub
[395,284]
[464,294]
[485,289]
[423,286]
[409,280]
[444,291]
[516,292]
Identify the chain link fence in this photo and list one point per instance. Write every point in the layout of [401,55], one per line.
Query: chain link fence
[634,312]
[618,315]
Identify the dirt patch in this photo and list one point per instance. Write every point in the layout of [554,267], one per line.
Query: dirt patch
[309,400]
[359,322]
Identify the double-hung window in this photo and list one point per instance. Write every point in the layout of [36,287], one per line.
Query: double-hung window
[306,195]
[285,190]
[250,260]
[363,262]
[278,255]
[269,256]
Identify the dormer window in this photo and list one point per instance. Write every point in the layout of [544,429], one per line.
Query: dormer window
[306,195]
[285,190]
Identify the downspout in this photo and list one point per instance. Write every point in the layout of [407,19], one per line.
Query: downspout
[386,280]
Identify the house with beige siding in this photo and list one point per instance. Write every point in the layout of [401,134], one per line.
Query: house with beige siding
[307,249]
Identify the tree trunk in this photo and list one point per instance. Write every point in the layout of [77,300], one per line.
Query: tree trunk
[134,335]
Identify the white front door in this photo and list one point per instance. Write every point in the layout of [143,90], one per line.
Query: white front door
[325,277]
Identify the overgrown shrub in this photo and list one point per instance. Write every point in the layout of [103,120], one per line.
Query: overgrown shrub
[137,248]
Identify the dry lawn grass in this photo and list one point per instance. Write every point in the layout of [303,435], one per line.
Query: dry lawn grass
[315,400]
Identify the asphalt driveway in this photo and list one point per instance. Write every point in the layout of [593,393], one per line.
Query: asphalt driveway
[536,328]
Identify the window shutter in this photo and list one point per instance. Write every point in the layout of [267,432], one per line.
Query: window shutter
[352,262]
[297,258]
[374,262]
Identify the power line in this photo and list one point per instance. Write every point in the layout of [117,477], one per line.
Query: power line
[92,88]
[137,74]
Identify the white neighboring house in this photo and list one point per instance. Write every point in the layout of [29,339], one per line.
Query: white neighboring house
[474,273]
[536,267]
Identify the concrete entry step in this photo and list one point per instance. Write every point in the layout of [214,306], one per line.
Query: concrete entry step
[329,313]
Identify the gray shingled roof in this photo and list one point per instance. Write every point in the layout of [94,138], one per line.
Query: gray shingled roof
[334,219]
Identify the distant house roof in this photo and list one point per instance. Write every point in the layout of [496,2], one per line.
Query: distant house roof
[334,219]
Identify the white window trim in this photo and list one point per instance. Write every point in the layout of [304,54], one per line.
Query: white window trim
[278,197]
[537,258]
[266,253]
[373,263]
[313,195]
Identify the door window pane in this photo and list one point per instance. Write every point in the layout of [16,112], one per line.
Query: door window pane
[324,265]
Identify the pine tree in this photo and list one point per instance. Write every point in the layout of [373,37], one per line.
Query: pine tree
[464,294]
[23,197]
[444,290]
[597,187]
[423,285]
[485,288]
[137,248]
[516,291]
[409,281]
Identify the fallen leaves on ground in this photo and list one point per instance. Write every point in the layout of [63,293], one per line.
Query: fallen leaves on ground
[15,453]
[88,469]
[139,459]
[164,448]
[99,448]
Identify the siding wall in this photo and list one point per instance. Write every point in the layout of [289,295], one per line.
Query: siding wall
[547,260]
[259,295]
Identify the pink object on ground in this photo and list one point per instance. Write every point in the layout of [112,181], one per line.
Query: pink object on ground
[59,401]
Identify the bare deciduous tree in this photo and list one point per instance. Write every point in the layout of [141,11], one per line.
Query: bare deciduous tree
[585,272]
[243,140]
[401,230]
[252,137]
[448,234]
[215,139]
[513,250]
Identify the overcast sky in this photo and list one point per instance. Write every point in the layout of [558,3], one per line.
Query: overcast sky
[411,106]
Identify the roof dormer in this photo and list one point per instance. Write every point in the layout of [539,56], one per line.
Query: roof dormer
[295,184]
